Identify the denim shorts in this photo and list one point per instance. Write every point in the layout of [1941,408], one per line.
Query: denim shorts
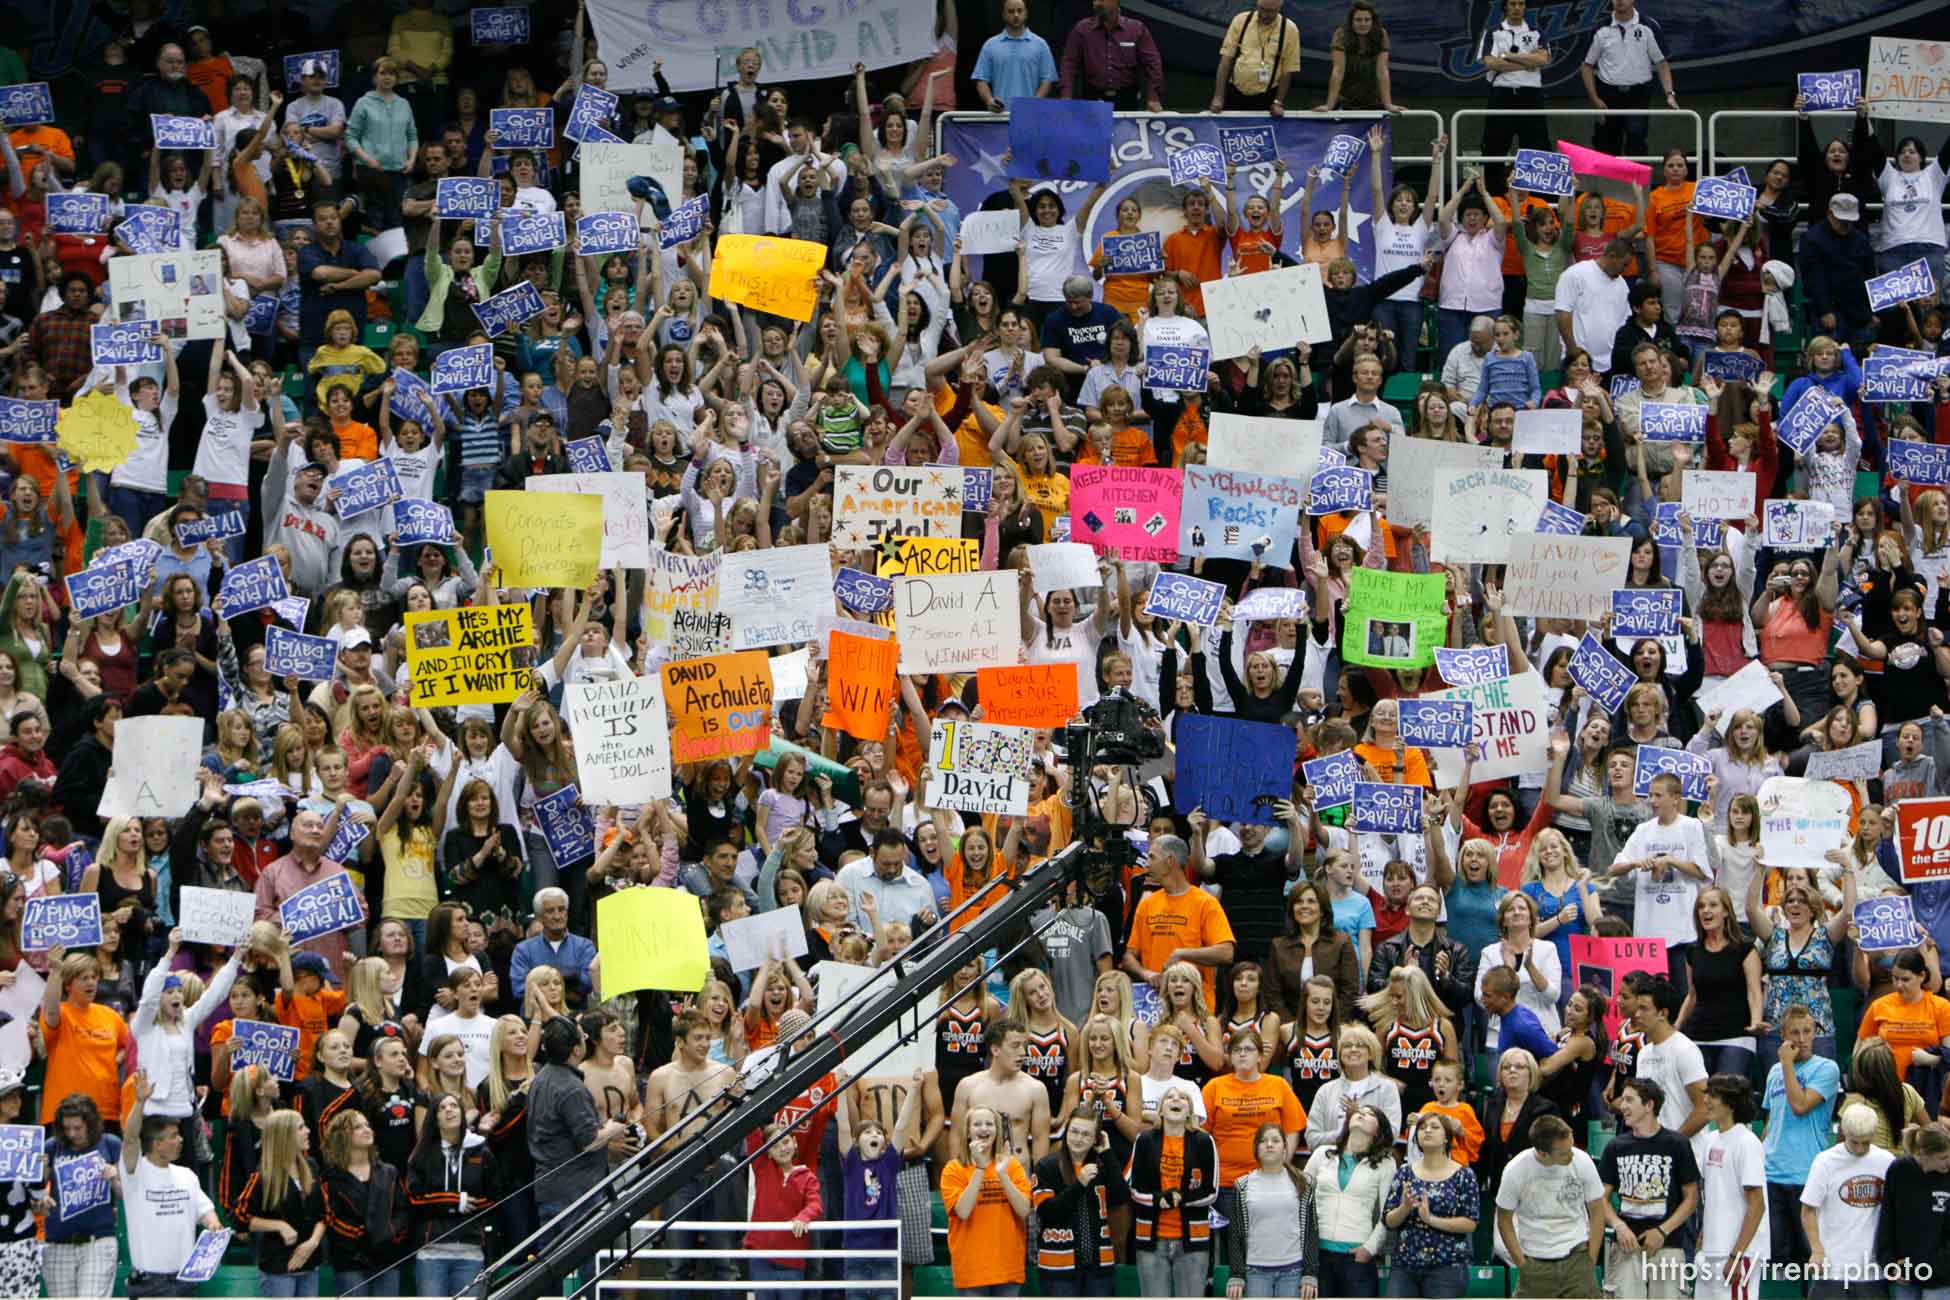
[475,483]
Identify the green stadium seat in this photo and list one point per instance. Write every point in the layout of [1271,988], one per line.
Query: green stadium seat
[1489,1280]
[1401,387]
[934,1280]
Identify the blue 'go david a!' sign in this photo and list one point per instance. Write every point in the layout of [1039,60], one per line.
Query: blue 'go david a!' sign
[1139,254]
[499,26]
[27,419]
[602,233]
[82,1183]
[509,308]
[1909,283]
[1187,599]
[1645,611]
[258,1042]
[1386,809]
[102,588]
[1176,369]
[1830,92]
[21,1153]
[1474,665]
[461,197]
[61,921]
[568,827]
[1539,171]
[331,905]
[1723,198]
[365,488]
[1437,724]
[1332,779]
[522,128]
[293,654]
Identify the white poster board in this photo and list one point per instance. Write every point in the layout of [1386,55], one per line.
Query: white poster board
[991,232]
[1801,820]
[1416,465]
[775,597]
[1268,309]
[1908,81]
[1716,493]
[1262,445]
[1512,726]
[181,292]
[156,764]
[979,767]
[836,981]
[1750,688]
[1564,577]
[23,1003]
[1558,431]
[751,941]
[220,916]
[1061,566]
[956,622]
[607,168]
[626,512]
[1477,512]
[622,740]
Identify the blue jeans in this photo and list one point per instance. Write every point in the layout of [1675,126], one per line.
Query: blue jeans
[444,1277]
[765,1270]
[1169,1269]
[1103,1283]
[1899,255]
[545,1211]
[1281,1280]
[293,1284]
[136,507]
[1404,321]
[886,1270]
[355,1282]
[1448,1281]
[1727,1060]
[1908,1291]
[1343,1275]
[1452,327]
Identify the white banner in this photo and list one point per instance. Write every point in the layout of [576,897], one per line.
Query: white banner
[954,622]
[1908,81]
[1063,566]
[1477,512]
[1801,820]
[1559,431]
[1263,445]
[1564,577]
[1416,465]
[622,739]
[156,763]
[181,294]
[979,768]
[775,597]
[221,916]
[698,40]
[626,513]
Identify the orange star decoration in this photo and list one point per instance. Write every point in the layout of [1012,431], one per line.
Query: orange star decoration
[97,431]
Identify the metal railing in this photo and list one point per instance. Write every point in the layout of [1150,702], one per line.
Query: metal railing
[647,1230]
[1458,156]
[1719,158]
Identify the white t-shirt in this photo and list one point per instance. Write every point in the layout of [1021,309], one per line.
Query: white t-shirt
[223,452]
[1052,258]
[1154,1092]
[1676,1065]
[1399,246]
[184,203]
[1543,1002]
[474,1032]
[1664,908]
[1550,1202]
[232,127]
[1076,644]
[164,1205]
[1845,1191]
[499,770]
[148,469]
[1734,1161]
[1599,304]
[1912,206]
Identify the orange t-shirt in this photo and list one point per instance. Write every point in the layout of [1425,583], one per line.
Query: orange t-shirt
[987,1248]
[1252,250]
[38,464]
[1235,1110]
[1667,209]
[1198,254]
[1414,768]
[82,1052]
[312,1016]
[1171,1176]
[1905,1027]
[959,892]
[358,441]
[1193,919]
[1470,1144]
[1132,447]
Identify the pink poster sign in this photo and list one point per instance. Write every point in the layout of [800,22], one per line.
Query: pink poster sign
[1127,510]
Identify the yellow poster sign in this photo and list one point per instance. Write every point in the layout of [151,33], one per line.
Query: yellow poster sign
[776,275]
[651,939]
[545,539]
[479,654]
[97,432]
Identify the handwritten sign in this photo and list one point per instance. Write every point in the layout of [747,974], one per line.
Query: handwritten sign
[1128,511]
[1651,761]
[1564,577]
[775,597]
[205,1257]
[1383,808]
[477,654]
[331,905]
[872,503]
[1483,663]
[1730,367]
[22,1148]
[61,921]
[1604,963]
[1232,769]
[720,707]
[1723,198]
[1429,722]
[292,654]
[28,104]
[1340,488]
[221,916]
[1908,80]
[1861,762]
[1393,620]
[1598,671]
[1716,494]
[1267,309]
[463,197]
[1332,778]
[170,132]
[1829,92]
[624,516]
[602,233]
[1512,729]
[681,605]
[365,488]
[546,539]
[1028,695]
[1645,611]
[1195,163]
[1235,515]
[1264,445]
[1801,820]
[1245,145]
[1887,923]
[979,767]
[984,233]
[1182,598]
[1560,520]
[622,740]
[652,939]
[1557,431]
[508,309]
[751,941]
[1538,171]
[259,1042]
[1478,512]
[1795,524]
[772,275]
[957,622]
[1910,283]
[82,1184]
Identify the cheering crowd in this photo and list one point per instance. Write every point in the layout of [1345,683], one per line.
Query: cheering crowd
[1282,1055]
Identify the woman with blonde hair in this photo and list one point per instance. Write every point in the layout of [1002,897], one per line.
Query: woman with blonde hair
[368,1006]
[364,738]
[1644,715]
[718,1004]
[545,997]
[291,762]
[1540,977]
[1102,1081]
[1052,1049]
[1416,1030]
[1360,1082]
[827,910]
[1742,762]
[988,1236]
[444,1072]
[1182,990]
[535,736]
[234,756]
[1560,891]
[365,1206]
[283,1208]
[1721,1012]
[503,1101]
[121,875]
[1111,996]
[1797,952]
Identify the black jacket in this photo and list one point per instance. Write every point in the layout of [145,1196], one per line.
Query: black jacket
[78,786]
[435,1181]
[1497,1153]
[1198,1188]
[1457,989]
[367,1223]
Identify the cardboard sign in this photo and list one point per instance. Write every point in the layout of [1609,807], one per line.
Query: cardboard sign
[567,825]
[1707,533]
[458,198]
[625,515]
[1652,761]
[685,223]
[546,539]
[1898,375]
[83,1183]
[1417,465]
[1801,820]
[1029,695]
[1565,577]
[593,106]
[1512,726]
[346,841]
[719,707]
[775,597]
[1264,445]
[1447,724]
[1887,923]
[1231,514]
[170,132]
[1646,611]
[1267,309]
[1908,81]
[1599,672]
[1170,368]
[1128,511]
[1393,620]
[1861,762]
[874,502]
[1911,283]
[860,687]
[1194,163]
[1918,462]
[1829,92]
[362,490]
[221,916]
[1179,597]
[22,1148]
[1537,171]
[1723,199]
[985,233]
[1672,422]
[1750,688]
[532,232]
[1716,494]
[1332,779]
[957,622]
[1343,153]
[292,654]
[1139,254]
[1483,663]
[1243,146]
[980,768]
[1060,140]
[1558,431]
[622,740]
[1383,808]
[28,420]
[1234,770]
[652,938]
[1477,513]
[920,557]
[156,762]
[508,309]
[331,905]
[1793,524]
[205,1257]
[1604,964]
[273,1046]
[901,1048]
[478,654]
[1063,566]
[780,276]
[61,921]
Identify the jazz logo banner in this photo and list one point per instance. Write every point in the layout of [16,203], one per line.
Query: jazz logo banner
[461,197]
[477,654]
[1483,663]
[1196,163]
[1651,761]
[1176,369]
[61,921]
[292,654]
[1904,284]
[1538,171]
[1886,923]
[1233,515]
[1140,254]
[522,128]
[1332,778]
[874,502]
[1829,92]
[1723,198]
[1234,770]
[1245,145]
[979,768]
[1130,511]
[1672,422]
[780,276]
[1387,809]
[1185,599]
[1645,611]
[1447,724]
[720,707]
[1599,672]
[258,1042]
[331,905]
